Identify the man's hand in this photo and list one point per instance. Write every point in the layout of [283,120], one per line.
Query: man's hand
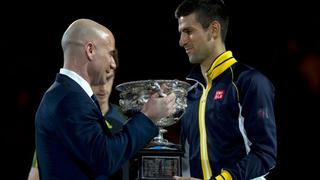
[159,107]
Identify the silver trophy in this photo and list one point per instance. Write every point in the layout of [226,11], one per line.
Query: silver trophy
[134,94]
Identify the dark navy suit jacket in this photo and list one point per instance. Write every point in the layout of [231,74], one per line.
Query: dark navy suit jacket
[72,140]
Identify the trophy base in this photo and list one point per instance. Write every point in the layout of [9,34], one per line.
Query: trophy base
[163,146]
[160,164]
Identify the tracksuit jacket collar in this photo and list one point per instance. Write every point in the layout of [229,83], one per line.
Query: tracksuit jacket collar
[218,66]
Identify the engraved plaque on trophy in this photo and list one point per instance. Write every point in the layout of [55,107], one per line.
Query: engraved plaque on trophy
[159,164]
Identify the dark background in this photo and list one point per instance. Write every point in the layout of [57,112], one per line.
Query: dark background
[281,39]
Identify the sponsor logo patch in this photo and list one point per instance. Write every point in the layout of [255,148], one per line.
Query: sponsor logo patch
[219,94]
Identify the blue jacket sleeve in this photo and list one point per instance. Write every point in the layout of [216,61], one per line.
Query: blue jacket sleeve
[84,136]
[256,107]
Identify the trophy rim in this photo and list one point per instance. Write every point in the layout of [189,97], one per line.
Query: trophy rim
[121,87]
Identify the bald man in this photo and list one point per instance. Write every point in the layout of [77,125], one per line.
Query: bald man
[72,140]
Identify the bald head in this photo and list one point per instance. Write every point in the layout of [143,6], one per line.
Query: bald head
[88,49]
[82,31]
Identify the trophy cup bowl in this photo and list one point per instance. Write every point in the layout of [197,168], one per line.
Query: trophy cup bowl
[134,94]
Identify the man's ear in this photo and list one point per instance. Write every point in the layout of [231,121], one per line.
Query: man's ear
[90,50]
[215,29]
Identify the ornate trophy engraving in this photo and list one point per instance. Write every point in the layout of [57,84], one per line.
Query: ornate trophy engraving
[161,159]
[135,93]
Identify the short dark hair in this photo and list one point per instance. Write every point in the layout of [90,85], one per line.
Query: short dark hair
[206,12]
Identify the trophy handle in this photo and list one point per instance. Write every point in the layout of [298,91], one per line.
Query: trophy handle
[155,86]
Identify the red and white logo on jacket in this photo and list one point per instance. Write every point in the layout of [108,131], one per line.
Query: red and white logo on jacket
[219,94]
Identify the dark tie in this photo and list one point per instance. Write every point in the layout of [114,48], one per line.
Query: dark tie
[93,97]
